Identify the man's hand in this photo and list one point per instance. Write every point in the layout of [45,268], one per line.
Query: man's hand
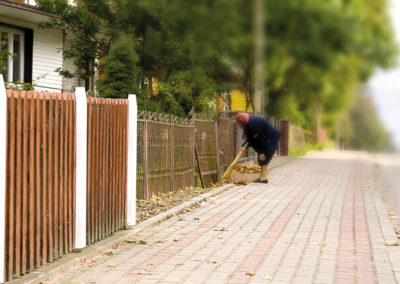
[262,157]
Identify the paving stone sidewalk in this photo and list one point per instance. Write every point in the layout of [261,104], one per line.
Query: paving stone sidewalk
[319,220]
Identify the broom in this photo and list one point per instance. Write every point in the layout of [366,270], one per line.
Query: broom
[228,172]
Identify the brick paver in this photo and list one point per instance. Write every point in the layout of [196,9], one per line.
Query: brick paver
[319,220]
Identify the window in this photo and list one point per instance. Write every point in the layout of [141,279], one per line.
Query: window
[13,40]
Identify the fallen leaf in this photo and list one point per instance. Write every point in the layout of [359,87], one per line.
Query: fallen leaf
[111,264]
[241,182]
[250,273]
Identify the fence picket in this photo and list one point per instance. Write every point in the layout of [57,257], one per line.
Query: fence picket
[65,170]
[25,191]
[56,174]
[11,184]
[45,178]
[31,177]
[60,176]
[37,172]
[112,168]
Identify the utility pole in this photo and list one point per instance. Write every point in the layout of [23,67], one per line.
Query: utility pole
[259,58]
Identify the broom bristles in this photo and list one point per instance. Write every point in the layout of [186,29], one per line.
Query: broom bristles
[229,170]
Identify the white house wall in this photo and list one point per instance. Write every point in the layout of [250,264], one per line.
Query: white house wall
[47,57]
[70,84]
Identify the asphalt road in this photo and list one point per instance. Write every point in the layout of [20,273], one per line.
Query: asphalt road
[389,173]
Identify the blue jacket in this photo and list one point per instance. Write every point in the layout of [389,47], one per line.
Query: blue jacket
[262,136]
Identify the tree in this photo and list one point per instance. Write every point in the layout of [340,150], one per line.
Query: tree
[88,42]
[368,131]
[319,52]
[121,71]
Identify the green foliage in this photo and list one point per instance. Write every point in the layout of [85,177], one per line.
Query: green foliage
[83,22]
[121,74]
[4,54]
[309,147]
[318,52]
[21,86]
[368,132]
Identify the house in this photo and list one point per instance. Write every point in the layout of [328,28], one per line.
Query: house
[38,52]
[235,100]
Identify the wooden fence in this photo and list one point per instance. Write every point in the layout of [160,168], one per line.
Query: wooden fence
[46,197]
[40,179]
[106,167]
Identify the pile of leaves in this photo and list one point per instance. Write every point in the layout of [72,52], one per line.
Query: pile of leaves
[248,169]
[147,208]
[161,202]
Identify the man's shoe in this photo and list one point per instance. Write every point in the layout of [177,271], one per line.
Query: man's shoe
[261,181]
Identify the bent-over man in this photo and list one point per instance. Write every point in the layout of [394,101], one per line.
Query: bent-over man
[262,136]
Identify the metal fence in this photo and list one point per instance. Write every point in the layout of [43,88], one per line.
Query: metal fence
[165,154]
[226,141]
[206,132]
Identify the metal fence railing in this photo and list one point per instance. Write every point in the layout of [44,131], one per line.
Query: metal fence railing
[206,132]
[165,154]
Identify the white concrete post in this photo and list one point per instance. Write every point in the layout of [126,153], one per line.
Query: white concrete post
[81,166]
[3,141]
[132,156]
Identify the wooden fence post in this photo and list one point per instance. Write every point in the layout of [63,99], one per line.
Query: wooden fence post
[3,142]
[132,160]
[81,167]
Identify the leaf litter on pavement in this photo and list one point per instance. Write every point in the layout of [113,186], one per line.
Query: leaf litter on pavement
[247,169]
[147,208]
[162,202]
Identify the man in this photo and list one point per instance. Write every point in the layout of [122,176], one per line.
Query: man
[262,136]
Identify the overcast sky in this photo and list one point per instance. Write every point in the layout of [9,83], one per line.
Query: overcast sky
[385,85]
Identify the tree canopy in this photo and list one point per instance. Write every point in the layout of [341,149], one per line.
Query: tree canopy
[317,52]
